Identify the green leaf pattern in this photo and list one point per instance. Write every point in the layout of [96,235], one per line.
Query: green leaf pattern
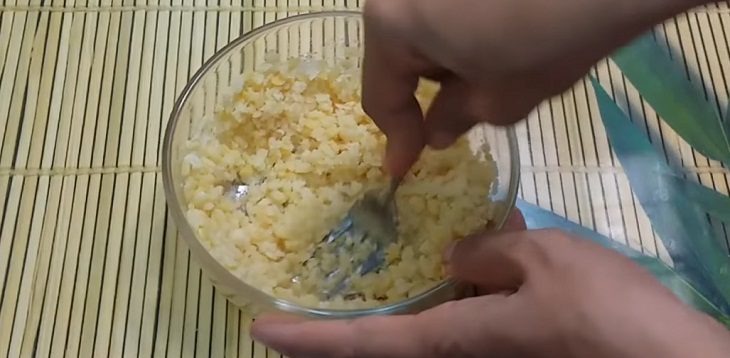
[677,207]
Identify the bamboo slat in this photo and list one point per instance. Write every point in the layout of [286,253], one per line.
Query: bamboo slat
[90,262]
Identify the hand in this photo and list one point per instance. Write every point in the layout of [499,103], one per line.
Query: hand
[545,294]
[495,60]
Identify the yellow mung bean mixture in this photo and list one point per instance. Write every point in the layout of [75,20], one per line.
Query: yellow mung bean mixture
[296,134]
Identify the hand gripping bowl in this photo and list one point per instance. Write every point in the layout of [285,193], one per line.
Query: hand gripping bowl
[329,37]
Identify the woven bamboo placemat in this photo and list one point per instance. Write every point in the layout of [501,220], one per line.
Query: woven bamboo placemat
[90,264]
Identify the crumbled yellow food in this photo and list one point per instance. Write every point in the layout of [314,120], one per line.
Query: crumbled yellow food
[296,134]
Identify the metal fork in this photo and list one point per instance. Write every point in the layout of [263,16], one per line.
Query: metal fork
[356,246]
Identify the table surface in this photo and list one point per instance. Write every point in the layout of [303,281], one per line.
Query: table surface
[90,262]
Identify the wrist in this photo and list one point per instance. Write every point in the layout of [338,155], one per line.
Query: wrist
[659,327]
[689,334]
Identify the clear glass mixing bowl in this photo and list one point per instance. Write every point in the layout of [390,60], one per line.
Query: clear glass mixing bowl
[326,36]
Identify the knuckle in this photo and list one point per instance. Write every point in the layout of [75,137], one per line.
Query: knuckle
[554,234]
[383,12]
[543,247]
[526,248]
[509,117]
[372,7]
[449,345]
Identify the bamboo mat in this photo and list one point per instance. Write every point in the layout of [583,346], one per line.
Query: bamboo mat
[90,263]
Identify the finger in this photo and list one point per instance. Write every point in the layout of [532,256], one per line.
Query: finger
[495,262]
[446,330]
[279,317]
[450,114]
[365,337]
[515,221]
[504,103]
[388,86]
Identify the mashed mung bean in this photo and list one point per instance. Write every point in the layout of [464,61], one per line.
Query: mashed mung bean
[297,136]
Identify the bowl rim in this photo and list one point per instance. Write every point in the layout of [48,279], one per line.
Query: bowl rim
[208,262]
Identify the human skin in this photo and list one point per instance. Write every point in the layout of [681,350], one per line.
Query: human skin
[495,60]
[541,293]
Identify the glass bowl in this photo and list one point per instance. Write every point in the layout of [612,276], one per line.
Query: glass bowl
[326,36]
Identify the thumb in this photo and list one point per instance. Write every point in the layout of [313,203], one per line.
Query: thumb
[463,328]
